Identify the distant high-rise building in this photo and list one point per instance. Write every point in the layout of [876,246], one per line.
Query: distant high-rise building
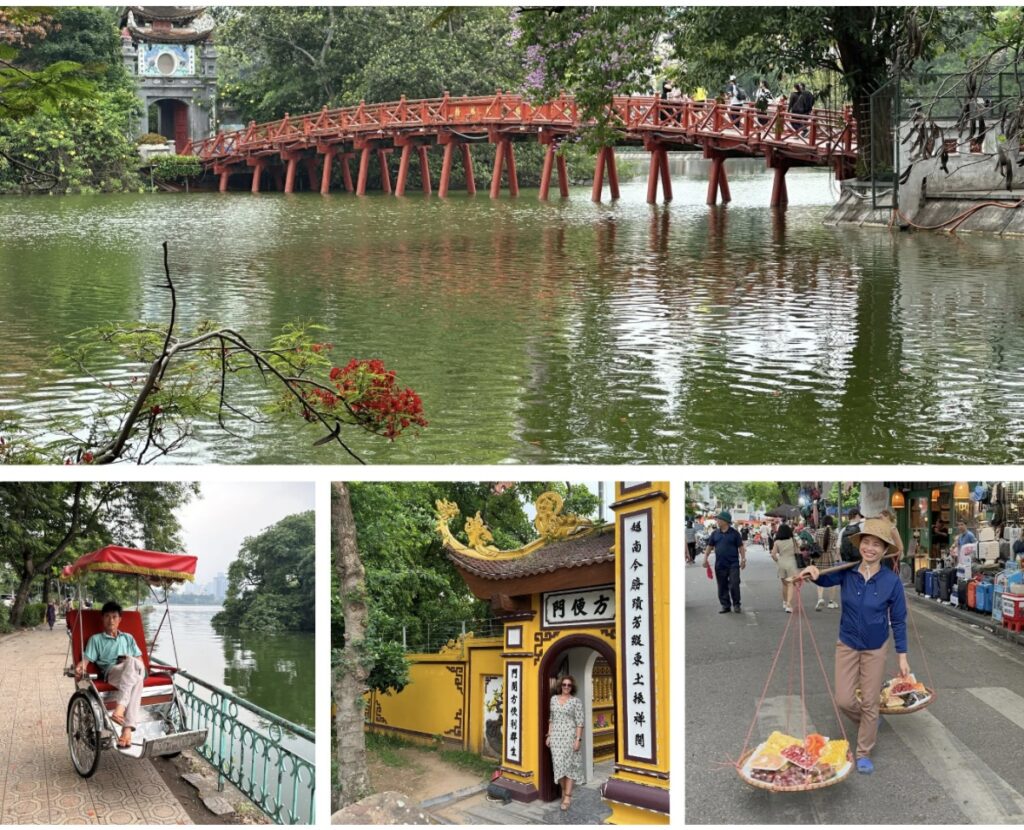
[220,587]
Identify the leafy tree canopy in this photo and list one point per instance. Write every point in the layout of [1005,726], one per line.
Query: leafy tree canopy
[68,110]
[597,52]
[410,582]
[46,525]
[278,59]
[271,584]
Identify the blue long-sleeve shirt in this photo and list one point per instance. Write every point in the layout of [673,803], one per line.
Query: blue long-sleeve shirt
[869,608]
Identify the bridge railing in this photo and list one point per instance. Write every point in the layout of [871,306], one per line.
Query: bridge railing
[832,131]
[247,746]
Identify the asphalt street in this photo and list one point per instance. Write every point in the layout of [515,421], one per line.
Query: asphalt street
[960,761]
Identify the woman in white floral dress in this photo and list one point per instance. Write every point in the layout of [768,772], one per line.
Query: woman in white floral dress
[565,734]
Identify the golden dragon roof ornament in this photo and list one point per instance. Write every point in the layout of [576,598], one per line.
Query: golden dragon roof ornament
[549,522]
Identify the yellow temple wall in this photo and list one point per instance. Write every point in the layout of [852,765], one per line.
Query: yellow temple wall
[653,775]
[452,681]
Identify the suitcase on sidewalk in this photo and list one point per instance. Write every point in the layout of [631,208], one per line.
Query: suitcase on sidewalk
[946,580]
[929,582]
[933,589]
[972,594]
[985,592]
[961,592]
[919,580]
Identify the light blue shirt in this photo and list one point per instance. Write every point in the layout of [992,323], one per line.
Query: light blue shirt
[103,650]
[966,538]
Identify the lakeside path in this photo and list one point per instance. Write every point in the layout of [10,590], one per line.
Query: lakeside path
[38,784]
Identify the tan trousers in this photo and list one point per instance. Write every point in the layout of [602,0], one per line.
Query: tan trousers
[864,670]
[129,676]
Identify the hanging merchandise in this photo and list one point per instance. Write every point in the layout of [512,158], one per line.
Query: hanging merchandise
[784,762]
[903,695]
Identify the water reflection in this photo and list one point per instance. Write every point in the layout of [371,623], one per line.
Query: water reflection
[274,671]
[565,332]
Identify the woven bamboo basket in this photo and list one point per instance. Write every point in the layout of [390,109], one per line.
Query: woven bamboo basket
[905,710]
[909,710]
[841,775]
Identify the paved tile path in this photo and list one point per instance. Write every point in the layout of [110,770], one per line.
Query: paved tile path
[38,785]
[587,807]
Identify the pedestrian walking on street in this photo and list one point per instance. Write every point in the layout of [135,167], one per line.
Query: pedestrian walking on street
[730,558]
[873,602]
[51,614]
[565,734]
[691,542]
[828,541]
[897,540]
[784,554]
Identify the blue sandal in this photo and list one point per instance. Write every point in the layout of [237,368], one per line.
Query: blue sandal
[865,766]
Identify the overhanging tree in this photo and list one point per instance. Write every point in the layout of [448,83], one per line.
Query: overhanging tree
[611,47]
[46,524]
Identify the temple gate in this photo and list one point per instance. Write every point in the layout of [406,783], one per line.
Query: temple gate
[592,601]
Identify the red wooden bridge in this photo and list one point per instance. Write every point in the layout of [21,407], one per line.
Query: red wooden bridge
[721,131]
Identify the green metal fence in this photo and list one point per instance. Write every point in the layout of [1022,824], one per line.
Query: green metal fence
[247,746]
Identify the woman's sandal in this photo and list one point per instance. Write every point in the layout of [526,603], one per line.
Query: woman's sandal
[566,802]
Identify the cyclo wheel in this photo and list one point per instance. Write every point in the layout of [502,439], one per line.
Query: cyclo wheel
[84,740]
[176,722]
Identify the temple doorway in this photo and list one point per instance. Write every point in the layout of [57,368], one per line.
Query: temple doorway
[171,121]
[591,662]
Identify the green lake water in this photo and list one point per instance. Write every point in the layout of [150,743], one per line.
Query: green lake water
[274,671]
[557,333]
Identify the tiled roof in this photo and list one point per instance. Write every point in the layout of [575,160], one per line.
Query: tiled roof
[592,549]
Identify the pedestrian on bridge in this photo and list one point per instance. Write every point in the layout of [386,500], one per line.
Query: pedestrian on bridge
[872,602]
[730,558]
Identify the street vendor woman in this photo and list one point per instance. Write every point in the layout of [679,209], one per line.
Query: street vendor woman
[117,656]
[872,600]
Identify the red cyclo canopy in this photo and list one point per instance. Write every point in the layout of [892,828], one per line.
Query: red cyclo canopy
[154,566]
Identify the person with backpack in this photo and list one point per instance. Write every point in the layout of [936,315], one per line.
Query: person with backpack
[847,550]
[873,603]
[737,94]
[805,541]
[806,102]
[828,542]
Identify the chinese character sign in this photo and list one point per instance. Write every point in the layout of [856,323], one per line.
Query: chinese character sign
[514,712]
[636,631]
[586,606]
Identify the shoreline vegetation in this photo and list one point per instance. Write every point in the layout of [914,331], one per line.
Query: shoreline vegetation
[271,583]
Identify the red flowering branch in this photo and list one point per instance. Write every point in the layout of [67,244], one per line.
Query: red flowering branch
[188,378]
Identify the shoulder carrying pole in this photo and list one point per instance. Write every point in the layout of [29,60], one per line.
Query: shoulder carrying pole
[845,566]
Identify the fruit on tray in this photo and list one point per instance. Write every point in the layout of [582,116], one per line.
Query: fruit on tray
[834,753]
[770,761]
[792,776]
[795,763]
[896,691]
[777,742]
[821,772]
[799,756]
[814,743]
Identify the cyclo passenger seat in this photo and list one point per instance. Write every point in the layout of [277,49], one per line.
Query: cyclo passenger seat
[83,624]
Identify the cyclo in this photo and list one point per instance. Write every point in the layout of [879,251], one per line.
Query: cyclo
[163,728]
